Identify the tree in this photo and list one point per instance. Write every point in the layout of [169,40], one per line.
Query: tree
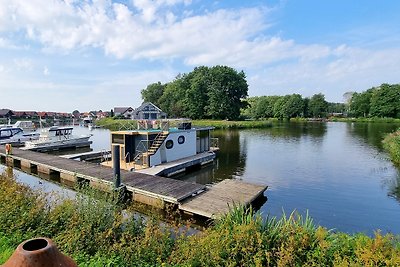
[317,106]
[226,90]
[360,103]
[385,101]
[153,93]
[172,101]
[293,106]
[196,93]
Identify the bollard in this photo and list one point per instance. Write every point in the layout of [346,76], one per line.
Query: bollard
[116,166]
[8,149]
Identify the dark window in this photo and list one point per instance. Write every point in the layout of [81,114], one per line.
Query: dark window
[169,144]
[181,139]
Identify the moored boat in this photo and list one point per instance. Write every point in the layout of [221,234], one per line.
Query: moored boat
[55,138]
[16,135]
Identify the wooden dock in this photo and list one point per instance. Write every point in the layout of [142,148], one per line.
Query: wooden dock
[148,189]
[219,198]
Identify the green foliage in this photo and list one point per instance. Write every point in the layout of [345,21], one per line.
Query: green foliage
[318,106]
[360,104]
[385,101]
[207,92]
[153,93]
[382,101]
[6,248]
[95,232]
[391,143]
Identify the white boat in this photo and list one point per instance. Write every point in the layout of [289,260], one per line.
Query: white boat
[16,135]
[55,138]
[25,125]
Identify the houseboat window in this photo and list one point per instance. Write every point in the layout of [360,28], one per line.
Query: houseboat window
[117,139]
[169,144]
[15,131]
[5,133]
[181,139]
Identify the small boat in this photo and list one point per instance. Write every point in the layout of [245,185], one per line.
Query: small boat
[25,125]
[87,120]
[16,135]
[55,138]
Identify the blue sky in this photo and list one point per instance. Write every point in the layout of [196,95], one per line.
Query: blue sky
[65,55]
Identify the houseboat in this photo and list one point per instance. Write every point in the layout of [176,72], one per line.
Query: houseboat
[56,138]
[154,143]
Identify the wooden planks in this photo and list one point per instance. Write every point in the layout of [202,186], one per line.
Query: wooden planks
[151,189]
[166,189]
[218,199]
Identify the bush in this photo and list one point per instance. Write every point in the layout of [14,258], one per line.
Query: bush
[391,143]
[96,232]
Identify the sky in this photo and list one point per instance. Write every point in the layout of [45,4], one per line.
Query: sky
[62,55]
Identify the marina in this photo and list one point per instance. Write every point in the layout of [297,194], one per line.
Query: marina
[148,189]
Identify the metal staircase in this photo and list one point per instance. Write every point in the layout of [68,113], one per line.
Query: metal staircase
[157,142]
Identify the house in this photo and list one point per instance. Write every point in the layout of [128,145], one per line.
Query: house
[6,113]
[25,114]
[149,111]
[126,112]
[102,115]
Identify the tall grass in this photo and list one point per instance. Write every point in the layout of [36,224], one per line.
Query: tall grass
[96,232]
[391,143]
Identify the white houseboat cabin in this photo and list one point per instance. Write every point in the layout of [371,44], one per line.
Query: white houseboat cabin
[155,143]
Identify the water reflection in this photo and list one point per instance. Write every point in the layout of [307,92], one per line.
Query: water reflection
[337,171]
[371,133]
[294,131]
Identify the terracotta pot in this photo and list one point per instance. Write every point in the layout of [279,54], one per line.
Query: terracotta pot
[38,252]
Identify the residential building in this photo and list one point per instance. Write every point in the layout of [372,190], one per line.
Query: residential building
[149,111]
[126,112]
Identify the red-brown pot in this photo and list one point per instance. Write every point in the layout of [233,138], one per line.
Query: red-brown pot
[38,252]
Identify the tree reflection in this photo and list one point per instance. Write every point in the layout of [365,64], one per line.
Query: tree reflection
[372,133]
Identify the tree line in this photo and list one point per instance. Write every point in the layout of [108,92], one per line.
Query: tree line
[220,92]
[290,106]
[381,101]
[217,92]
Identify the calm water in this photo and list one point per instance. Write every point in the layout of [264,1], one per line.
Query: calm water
[336,171]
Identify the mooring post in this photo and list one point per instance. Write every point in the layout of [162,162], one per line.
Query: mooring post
[116,166]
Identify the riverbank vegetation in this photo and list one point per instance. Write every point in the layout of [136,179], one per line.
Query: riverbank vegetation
[118,124]
[95,232]
[391,143]
[220,92]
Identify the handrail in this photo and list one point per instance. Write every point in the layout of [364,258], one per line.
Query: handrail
[164,128]
[127,154]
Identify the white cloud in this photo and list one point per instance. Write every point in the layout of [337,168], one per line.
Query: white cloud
[46,71]
[172,31]
[23,64]
[346,69]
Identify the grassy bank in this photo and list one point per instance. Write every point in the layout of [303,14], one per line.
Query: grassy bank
[96,233]
[114,125]
[391,143]
[372,120]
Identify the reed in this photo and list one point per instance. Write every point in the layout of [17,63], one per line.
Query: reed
[391,143]
[96,232]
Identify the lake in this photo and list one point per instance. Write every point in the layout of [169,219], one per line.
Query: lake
[338,172]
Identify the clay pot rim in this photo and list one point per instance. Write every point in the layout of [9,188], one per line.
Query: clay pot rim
[49,245]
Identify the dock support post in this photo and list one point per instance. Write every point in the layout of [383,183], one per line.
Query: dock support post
[116,166]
